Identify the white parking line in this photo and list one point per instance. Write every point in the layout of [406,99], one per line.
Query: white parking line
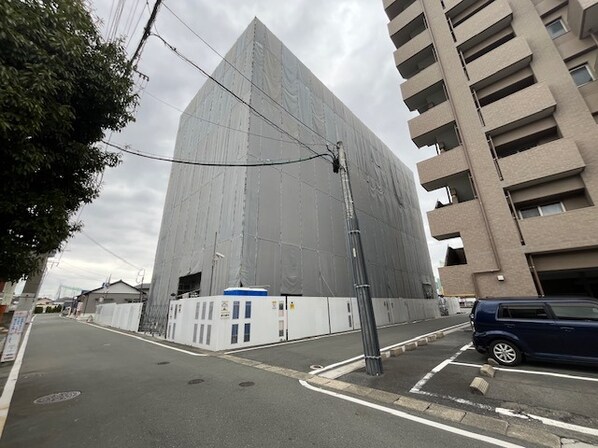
[145,340]
[446,331]
[11,382]
[531,372]
[549,421]
[437,369]
[414,418]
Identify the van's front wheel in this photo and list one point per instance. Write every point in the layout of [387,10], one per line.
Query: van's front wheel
[505,353]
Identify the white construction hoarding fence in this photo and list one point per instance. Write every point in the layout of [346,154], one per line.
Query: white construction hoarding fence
[228,322]
[124,316]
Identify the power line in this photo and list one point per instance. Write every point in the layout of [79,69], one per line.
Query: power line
[217,164]
[245,76]
[108,250]
[223,125]
[237,97]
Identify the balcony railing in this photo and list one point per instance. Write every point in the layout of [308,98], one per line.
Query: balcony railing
[499,63]
[434,171]
[520,108]
[486,22]
[554,160]
[423,127]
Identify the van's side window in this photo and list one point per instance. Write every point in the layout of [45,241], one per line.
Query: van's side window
[522,312]
[575,312]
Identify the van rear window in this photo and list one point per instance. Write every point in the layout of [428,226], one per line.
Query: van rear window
[522,312]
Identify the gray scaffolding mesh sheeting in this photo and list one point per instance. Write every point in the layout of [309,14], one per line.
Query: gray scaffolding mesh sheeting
[282,227]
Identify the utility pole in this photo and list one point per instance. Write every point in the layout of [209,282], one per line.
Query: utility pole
[146,32]
[369,333]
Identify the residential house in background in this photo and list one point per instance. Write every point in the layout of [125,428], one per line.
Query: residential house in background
[117,292]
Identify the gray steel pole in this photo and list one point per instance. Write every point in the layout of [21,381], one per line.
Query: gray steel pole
[369,333]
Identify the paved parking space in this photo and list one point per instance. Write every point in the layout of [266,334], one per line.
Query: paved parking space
[443,370]
[323,351]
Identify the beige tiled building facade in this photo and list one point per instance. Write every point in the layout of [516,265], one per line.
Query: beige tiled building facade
[506,92]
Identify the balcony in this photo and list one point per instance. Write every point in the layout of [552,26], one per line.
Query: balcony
[456,219]
[434,172]
[488,21]
[423,128]
[582,16]
[520,108]
[554,160]
[499,63]
[407,24]
[457,280]
[571,230]
[415,89]
[395,7]
[415,55]
[455,7]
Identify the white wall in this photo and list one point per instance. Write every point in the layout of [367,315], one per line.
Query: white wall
[125,316]
[274,319]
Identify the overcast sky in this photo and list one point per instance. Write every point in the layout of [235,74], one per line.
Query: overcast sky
[345,43]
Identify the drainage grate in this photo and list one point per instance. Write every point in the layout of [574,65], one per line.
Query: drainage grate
[195,381]
[162,363]
[57,397]
[246,383]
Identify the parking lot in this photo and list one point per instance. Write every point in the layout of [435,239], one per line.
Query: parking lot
[559,395]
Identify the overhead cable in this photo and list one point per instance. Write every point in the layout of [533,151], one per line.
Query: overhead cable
[108,250]
[217,164]
[237,97]
[245,76]
[223,125]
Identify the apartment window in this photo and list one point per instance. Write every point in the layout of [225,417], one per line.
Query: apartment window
[247,310]
[581,75]
[542,210]
[556,28]
[203,311]
[211,311]
[235,310]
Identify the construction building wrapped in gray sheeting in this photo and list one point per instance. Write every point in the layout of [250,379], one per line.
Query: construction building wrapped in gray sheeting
[281,227]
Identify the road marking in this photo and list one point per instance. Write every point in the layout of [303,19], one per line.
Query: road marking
[414,418]
[145,340]
[549,421]
[532,372]
[446,331]
[437,369]
[11,382]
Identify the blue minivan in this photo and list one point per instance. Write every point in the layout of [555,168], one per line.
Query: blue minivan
[560,329]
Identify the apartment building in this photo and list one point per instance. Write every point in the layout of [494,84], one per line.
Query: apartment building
[506,93]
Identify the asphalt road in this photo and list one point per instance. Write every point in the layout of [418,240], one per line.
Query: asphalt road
[136,394]
[332,349]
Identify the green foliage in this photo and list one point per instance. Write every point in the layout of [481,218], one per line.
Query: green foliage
[38,310]
[61,88]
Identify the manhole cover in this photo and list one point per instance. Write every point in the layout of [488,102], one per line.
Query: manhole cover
[162,363]
[246,383]
[195,381]
[315,367]
[57,397]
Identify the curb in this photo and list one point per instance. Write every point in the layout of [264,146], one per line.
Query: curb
[490,424]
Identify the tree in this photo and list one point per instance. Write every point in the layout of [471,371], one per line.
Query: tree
[61,88]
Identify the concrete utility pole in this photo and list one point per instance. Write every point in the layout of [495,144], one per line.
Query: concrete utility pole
[369,333]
